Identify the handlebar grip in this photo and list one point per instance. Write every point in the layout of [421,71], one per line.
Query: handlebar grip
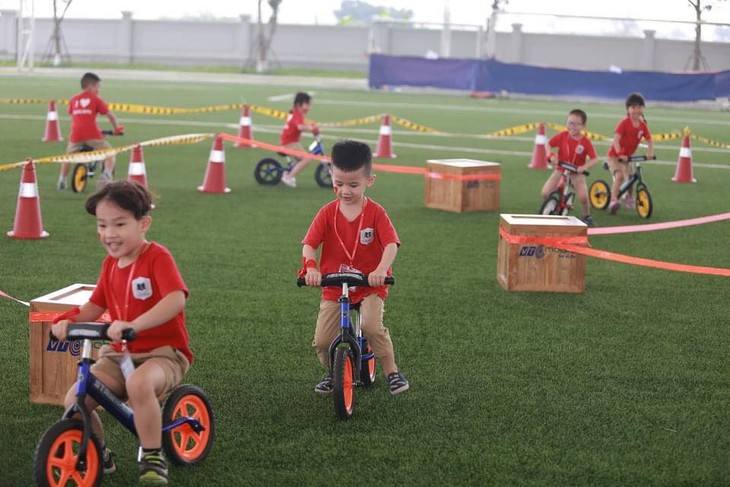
[129,334]
[390,280]
[93,331]
[301,282]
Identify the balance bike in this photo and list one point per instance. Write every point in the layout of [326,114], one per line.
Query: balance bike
[560,201]
[351,358]
[599,192]
[83,171]
[268,171]
[69,454]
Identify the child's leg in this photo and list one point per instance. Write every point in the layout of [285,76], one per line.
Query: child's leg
[299,166]
[551,184]
[581,190]
[618,172]
[162,369]
[377,335]
[328,325]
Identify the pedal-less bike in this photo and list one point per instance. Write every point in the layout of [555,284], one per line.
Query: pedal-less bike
[599,192]
[560,201]
[351,358]
[268,171]
[69,453]
[83,171]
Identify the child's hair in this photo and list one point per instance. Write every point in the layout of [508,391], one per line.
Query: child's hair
[301,98]
[580,113]
[635,99]
[127,195]
[89,79]
[350,156]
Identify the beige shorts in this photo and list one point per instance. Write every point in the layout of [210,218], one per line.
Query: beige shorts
[96,144]
[172,361]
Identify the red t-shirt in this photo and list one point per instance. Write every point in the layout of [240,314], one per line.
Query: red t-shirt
[364,239]
[573,151]
[133,290]
[630,137]
[83,109]
[291,132]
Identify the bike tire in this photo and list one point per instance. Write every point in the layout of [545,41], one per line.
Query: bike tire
[344,383]
[323,175]
[367,369]
[54,464]
[183,445]
[644,203]
[550,206]
[79,177]
[268,171]
[599,194]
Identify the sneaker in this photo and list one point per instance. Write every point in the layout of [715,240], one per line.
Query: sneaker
[326,386]
[397,383]
[629,203]
[613,207]
[589,221]
[109,465]
[61,186]
[153,469]
[288,180]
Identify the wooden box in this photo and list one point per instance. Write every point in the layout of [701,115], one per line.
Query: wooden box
[461,185]
[54,364]
[535,266]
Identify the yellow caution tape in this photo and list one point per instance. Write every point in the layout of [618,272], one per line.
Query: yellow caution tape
[518,129]
[411,125]
[711,142]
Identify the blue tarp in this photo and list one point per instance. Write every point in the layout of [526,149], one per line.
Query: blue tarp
[496,76]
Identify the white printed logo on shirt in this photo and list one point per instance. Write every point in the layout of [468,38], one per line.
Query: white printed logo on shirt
[579,149]
[84,102]
[367,236]
[142,288]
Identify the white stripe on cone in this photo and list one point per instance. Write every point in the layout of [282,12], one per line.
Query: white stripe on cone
[136,169]
[245,121]
[540,139]
[217,156]
[52,116]
[685,152]
[28,190]
[385,130]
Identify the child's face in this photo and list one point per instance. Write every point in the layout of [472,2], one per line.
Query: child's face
[94,88]
[350,186]
[121,234]
[636,111]
[304,108]
[574,125]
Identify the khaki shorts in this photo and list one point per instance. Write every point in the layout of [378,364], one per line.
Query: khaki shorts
[95,144]
[172,361]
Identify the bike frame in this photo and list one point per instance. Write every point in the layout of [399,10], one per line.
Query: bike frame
[88,384]
[634,178]
[348,336]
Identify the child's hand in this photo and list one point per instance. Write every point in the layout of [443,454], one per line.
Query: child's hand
[377,278]
[315,129]
[313,277]
[60,329]
[116,328]
[119,130]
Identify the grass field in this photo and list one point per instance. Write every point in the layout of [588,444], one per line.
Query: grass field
[626,384]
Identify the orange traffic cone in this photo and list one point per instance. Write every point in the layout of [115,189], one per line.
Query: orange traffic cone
[683,174]
[244,127]
[137,171]
[53,128]
[28,222]
[539,157]
[385,148]
[215,174]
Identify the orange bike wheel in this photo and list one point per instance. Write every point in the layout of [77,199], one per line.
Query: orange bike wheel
[183,445]
[57,455]
[344,383]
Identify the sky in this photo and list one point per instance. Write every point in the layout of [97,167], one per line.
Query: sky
[468,12]
[320,11]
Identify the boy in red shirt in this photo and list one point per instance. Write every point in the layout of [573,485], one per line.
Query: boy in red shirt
[356,235]
[292,133]
[574,148]
[627,135]
[83,109]
[141,288]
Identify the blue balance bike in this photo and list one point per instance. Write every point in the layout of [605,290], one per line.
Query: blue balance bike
[351,358]
[268,171]
[69,454]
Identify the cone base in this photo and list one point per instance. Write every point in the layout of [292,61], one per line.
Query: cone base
[43,234]
[203,190]
[682,180]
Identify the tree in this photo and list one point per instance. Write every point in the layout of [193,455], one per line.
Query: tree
[356,12]
[56,36]
[265,39]
[697,59]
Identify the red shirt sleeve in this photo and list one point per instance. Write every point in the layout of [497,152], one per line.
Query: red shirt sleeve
[316,232]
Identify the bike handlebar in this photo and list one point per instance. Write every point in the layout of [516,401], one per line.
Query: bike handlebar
[637,159]
[112,133]
[93,331]
[571,167]
[350,278]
